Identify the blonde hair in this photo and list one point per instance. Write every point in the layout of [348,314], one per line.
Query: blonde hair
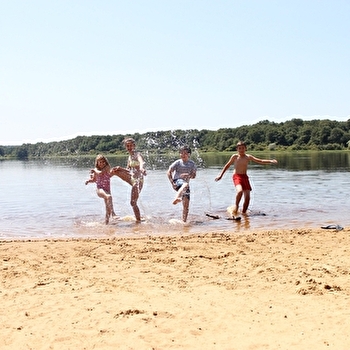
[129,140]
[100,157]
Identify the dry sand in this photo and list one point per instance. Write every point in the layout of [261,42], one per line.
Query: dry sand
[278,289]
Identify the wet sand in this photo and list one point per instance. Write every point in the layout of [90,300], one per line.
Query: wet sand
[278,289]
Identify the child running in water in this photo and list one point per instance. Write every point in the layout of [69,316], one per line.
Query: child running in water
[240,177]
[179,174]
[133,174]
[101,174]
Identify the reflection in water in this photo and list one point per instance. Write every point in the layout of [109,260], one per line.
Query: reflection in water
[244,223]
[316,161]
[298,161]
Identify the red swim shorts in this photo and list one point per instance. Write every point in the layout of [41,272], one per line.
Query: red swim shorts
[243,180]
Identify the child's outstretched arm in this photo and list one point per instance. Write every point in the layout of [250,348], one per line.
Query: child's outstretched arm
[169,174]
[92,177]
[262,161]
[227,165]
[142,163]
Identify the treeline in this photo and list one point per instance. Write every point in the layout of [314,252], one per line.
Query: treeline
[295,134]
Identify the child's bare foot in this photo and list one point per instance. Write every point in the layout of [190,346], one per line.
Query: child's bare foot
[233,210]
[177,200]
[138,221]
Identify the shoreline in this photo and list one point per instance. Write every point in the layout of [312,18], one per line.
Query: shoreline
[175,228]
[286,289]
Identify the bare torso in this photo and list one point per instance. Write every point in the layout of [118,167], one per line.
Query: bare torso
[241,163]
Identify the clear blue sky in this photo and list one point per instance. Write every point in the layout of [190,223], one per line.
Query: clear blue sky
[71,67]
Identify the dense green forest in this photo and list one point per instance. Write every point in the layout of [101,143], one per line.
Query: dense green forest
[295,134]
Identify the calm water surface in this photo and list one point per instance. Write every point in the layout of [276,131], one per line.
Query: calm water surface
[48,199]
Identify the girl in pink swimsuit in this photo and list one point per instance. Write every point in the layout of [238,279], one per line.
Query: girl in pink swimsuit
[102,174]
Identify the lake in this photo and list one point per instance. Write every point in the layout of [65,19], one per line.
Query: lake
[48,198]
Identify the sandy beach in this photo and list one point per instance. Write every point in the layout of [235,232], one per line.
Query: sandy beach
[278,289]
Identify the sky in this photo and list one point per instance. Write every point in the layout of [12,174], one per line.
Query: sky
[105,67]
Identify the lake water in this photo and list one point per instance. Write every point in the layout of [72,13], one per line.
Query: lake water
[48,198]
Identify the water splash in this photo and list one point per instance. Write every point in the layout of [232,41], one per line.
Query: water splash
[163,148]
[199,160]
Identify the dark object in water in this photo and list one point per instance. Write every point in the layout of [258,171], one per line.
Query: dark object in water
[236,218]
[214,216]
[333,227]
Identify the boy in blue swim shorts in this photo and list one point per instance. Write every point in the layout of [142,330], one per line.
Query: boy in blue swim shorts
[179,174]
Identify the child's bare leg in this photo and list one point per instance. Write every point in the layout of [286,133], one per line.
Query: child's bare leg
[111,208]
[108,203]
[137,213]
[108,210]
[179,193]
[123,173]
[114,215]
[135,191]
[177,200]
[239,193]
[246,201]
[185,209]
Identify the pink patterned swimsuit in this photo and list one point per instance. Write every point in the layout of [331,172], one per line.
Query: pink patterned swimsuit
[103,181]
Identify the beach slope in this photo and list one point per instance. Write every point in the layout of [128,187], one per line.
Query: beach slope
[278,289]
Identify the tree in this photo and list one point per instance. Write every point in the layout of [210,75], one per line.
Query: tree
[336,135]
[304,135]
[22,153]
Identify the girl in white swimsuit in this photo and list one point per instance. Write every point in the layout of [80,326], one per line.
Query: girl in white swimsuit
[133,174]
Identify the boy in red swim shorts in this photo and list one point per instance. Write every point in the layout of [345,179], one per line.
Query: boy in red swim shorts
[240,160]
[243,180]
